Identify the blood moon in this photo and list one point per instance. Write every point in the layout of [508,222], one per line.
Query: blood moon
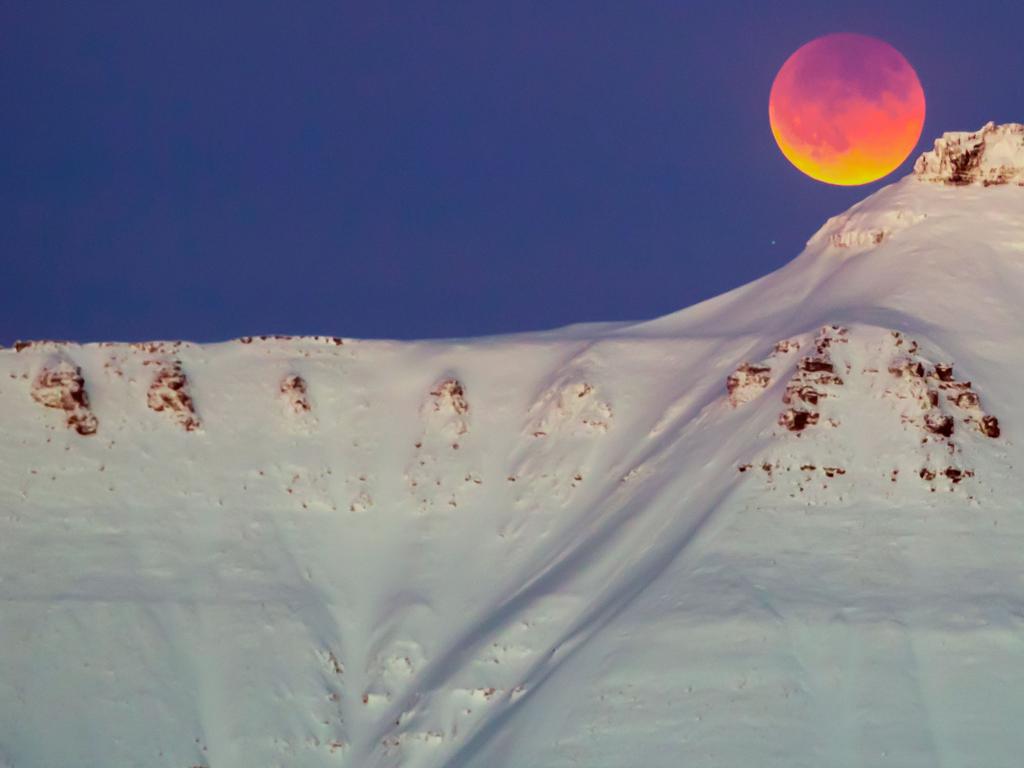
[846,109]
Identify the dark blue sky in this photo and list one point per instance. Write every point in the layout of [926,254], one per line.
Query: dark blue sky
[207,170]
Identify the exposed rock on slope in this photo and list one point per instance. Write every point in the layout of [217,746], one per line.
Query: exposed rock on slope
[169,393]
[993,155]
[294,390]
[446,410]
[880,379]
[295,394]
[60,385]
[747,382]
[850,231]
[570,406]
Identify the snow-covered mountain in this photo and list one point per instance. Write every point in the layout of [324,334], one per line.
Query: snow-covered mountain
[782,527]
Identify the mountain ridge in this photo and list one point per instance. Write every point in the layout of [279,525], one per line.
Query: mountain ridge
[779,528]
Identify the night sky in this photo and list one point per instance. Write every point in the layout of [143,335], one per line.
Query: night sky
[373,169]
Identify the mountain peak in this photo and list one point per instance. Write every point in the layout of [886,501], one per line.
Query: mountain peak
[992,155]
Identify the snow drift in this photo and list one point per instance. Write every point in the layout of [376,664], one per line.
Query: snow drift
[779,528]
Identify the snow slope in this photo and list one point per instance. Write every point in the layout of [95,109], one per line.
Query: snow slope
[773,529]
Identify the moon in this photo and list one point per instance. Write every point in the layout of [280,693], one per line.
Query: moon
[846,109]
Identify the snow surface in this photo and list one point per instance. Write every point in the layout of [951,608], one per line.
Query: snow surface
[773,529]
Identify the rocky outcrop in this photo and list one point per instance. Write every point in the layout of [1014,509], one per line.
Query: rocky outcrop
[993,155]
[169,393]
[295,393]
[935,389]
[863,230]
[60,385]
[43,344]
[747,382]
[447,410]
[966,402]
[336,341]
[815,377]
[298,409]
[750,380]
[798,419]
[569,407]
[879,378]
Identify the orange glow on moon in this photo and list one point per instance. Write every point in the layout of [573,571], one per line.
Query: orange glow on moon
[846,109]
